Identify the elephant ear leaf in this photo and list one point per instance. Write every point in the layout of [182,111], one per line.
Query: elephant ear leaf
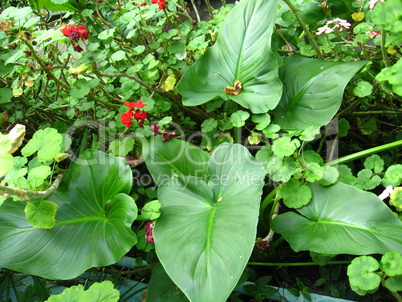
[241,65]
[210,226]
[92,224]
[313,91]
[337,215]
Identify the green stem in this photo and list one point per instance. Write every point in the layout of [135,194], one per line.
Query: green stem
[237,135]
[210,8]
[383,50]
[26,194]
[310,36]
[364,153]
[296,263]
[267,200]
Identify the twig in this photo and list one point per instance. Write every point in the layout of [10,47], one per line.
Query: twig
[27,194]
[271,233]
[210,8]
[196,10]
[383,50]
[310,36]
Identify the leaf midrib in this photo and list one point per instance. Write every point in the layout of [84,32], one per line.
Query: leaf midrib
[352,226]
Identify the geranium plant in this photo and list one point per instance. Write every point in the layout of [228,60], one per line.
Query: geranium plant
[239,122]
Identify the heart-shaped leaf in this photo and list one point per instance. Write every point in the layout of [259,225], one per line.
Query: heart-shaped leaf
[313,91]
[341,219]
[164,159]
[93,222]
[241,62]
[209,228]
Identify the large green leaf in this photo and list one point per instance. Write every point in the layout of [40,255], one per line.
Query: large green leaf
[93,222]
[341,219]
[173,157]
[313,91]
[162,289]
[206,232]
[242,53]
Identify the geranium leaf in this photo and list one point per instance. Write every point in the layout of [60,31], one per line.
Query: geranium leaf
[47,142]
[97,292]
[361,273]
[41,214]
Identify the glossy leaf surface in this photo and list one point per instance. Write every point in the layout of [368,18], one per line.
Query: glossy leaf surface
[173,157]
[209,228]
[338,215]
[242,53]
[313,91]
[93,222]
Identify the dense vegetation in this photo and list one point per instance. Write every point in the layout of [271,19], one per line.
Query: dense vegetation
[150,149]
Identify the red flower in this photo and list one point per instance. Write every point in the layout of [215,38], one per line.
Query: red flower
[82,32]
[155,130]
[140,115]
[78,48]
[161,3]
[75,32]
[126,118]
[143,3]
[133,105]
[149,227]
[67,30]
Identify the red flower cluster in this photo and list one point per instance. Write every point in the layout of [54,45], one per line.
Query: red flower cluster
[149,227]
[139,115]
[75,33]
[161,3]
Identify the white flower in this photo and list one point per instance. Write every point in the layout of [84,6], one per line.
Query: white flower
[372,3]
[388,190]
[337,23]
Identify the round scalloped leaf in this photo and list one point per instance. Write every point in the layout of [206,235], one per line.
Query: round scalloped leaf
[285,146]
[238,118]
[97,292]
[388,15]
[375,163]
[391,263]
[362,89]
[93,222]
[6,163]
[396,198]
[394,284]
[361,273]
[151,210]
[47,142]
[295,194]
[41,214]
[393,175]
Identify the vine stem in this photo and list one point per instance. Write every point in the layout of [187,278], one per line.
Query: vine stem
[310,36]
[296,263]
[383,50]
[26,194]
[364,153]
[268,199]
